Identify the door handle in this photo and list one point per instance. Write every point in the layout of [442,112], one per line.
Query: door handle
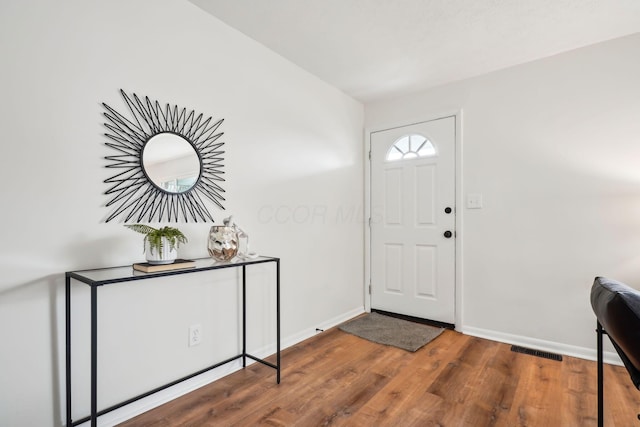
[448,234]
[447,210]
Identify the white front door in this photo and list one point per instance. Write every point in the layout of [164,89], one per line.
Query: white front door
[413,220]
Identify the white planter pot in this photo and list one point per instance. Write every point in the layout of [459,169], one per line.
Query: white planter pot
[164,256]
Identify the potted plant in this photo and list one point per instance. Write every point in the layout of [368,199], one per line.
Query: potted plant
[160,244]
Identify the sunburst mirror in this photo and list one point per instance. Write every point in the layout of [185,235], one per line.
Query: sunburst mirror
[169,162]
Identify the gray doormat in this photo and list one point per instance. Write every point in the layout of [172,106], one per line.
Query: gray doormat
[388,330]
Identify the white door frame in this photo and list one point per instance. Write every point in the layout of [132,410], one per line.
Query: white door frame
[459,209]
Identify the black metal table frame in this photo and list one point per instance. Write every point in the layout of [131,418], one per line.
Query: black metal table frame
[77,275]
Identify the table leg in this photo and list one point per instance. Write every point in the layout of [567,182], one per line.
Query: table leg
[67,297]
[599,332]
[244,316]
[278,321]
[94,355]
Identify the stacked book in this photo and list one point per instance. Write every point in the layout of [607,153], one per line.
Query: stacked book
[154,268]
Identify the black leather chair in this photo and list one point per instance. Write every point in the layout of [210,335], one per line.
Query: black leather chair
[617,308]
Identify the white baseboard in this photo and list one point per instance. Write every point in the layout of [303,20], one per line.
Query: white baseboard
[538,344]
[143,405]
[303,335]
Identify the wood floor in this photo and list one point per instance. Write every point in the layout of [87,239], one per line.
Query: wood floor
[337,379]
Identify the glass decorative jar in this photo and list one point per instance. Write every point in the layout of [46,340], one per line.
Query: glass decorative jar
[223,242]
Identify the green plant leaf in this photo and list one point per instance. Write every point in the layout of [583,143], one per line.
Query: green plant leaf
[154,236]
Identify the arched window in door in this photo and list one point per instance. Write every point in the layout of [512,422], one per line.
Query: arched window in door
[411,147]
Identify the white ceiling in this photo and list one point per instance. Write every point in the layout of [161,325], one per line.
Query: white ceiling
[377,49]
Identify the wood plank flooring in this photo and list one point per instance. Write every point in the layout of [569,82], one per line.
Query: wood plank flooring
[337,379]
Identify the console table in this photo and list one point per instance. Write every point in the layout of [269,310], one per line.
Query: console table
[107,276]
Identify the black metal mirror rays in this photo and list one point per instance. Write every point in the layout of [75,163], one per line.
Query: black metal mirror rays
[134,195]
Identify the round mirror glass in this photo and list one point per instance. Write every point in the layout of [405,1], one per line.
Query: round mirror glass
[171,162]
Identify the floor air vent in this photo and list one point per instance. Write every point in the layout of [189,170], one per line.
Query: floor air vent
[538,353]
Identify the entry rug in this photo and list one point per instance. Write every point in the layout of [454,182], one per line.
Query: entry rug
[388,330]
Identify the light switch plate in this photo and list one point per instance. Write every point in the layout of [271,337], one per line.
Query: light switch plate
[474,201]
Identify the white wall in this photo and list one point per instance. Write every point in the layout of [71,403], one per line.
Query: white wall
[554,147]
[294,182]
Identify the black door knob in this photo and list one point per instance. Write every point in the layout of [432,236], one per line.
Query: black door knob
[448,234]
[447,210]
